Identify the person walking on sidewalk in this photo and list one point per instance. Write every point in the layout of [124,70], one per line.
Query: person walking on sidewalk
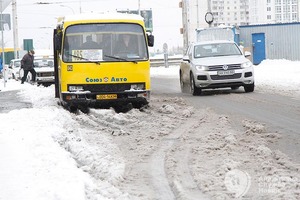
[28,66]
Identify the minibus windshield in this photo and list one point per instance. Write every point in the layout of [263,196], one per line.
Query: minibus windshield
[110,42]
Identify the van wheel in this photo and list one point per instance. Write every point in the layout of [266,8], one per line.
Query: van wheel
[194,90]
[249,88]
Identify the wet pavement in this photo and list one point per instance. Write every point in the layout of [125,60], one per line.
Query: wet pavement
[9,100]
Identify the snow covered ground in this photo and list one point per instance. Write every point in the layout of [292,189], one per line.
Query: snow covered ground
[47,153]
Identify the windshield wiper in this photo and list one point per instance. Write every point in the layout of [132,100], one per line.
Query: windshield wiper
[123,59]
[81,58]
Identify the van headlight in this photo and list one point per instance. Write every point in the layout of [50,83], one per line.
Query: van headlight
[75,88]
[246,64]
[201,67]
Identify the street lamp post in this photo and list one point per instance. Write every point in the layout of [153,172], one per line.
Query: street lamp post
[68,7]
[47,3]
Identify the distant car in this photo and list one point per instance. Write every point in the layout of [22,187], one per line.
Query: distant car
[14,69]
[44,67]
[215,64]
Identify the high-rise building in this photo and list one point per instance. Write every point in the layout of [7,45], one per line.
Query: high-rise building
[273,11]
[286,11]
[230,12]
[236,12]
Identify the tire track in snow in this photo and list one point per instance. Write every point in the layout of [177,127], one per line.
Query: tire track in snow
[158,175]
[184,187]
[146,176]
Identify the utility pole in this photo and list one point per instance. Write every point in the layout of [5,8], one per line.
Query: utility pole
[208,5]
[80,7]
[2,44]
[15,28]
[185,23]
[139,7]
[209,8]
[198,16]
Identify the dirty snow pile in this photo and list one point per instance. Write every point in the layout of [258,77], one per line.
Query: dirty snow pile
[217,152]
[48,153]
[34,161]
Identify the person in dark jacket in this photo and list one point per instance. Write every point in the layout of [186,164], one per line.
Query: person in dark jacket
[28,66]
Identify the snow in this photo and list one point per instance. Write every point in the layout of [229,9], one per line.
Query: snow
[280,76]
[46,154]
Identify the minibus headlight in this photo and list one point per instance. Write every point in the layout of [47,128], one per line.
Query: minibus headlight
[75,88]
[137,87]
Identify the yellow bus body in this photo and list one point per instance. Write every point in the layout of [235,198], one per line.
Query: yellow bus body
[93,73]
[119,81]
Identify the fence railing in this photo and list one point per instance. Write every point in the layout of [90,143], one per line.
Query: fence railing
[160,62]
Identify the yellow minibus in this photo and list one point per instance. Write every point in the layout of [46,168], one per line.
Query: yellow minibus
[102,60]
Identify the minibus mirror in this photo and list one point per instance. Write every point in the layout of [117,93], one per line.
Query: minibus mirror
[150,40]
[58,40]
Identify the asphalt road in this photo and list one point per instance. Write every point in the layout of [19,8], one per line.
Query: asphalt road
[9,100]
[280,114]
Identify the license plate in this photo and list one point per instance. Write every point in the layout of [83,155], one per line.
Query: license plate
[224,73]
[46,79]
[106,96]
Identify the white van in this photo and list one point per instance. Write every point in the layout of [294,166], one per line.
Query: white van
[215,64]
[44,67]
[14,69]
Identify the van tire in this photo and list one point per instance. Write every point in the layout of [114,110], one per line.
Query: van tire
[249,88]
[194,90]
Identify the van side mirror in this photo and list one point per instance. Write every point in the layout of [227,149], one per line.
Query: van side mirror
[247,54]
[186,59]
[150,39]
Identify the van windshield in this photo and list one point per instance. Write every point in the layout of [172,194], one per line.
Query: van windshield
[104,42]
[17,64]
[216,49]
[43,62]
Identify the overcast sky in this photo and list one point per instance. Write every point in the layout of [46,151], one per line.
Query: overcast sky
[36,21]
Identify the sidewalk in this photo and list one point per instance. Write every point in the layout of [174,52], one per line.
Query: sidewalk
[9,99]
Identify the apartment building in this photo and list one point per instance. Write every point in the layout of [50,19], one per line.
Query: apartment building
[243,12]
[230,12]
[236,12]
[273,11]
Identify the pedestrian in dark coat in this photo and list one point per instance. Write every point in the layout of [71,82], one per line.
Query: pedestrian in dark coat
[28,66]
